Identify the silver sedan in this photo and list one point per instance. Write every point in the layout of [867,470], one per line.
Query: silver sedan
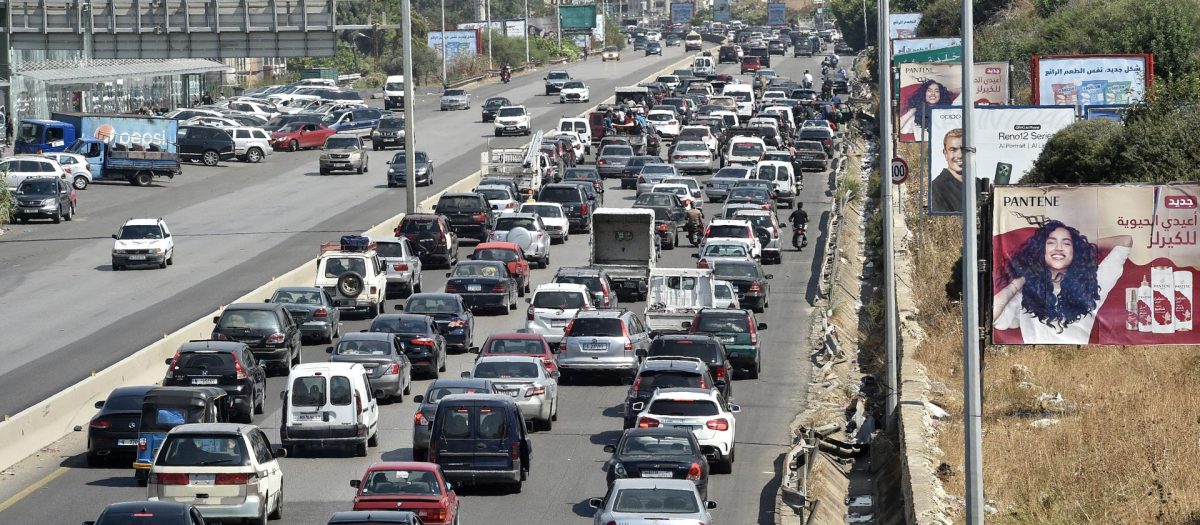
[692,156]
[637,501]
[456,99]
[533,388]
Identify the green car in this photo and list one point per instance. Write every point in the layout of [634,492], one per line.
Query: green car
[738,331]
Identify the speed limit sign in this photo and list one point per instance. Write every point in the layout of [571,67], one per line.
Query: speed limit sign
[899,170]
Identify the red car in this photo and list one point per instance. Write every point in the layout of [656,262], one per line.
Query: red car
[510,254]
[527,345]
[407,485]
[300,135]
[750,65]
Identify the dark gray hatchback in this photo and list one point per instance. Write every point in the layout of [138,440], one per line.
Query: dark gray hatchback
[267,328]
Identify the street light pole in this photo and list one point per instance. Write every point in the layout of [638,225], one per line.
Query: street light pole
[443,36]
[489,32]
[889,253]
[526,32]
[972,390]
[410,197]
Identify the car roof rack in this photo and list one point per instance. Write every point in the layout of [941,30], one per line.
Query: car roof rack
[339,247]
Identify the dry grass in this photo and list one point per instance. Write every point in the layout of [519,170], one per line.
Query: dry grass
[1126,447]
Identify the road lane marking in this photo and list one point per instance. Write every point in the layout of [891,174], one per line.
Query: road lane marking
[29,490]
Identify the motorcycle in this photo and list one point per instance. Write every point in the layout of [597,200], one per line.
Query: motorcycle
[693,233]
[505,76]
[799,239]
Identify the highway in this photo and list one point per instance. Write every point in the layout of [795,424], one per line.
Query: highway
[566,461]
[235,227]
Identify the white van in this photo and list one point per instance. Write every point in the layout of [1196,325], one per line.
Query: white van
[580,126]
[393,92]
[744,95]
[703,65]
[329,404]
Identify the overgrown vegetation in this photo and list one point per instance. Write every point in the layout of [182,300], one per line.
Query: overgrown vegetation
[8,203]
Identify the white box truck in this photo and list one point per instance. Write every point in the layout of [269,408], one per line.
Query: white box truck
[623,243]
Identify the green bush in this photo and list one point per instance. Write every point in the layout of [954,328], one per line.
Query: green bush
[7,203]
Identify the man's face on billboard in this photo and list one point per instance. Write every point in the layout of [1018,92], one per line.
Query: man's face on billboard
[952,149]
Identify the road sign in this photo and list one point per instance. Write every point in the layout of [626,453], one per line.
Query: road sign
[899,170]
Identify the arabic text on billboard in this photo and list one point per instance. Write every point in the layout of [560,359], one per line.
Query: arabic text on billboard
[681,12]
[1095,265]
[1090,80]
[941,85]
[1008,139]
[776,14]
[902,46]
[457,42]
[577,16]
[904,25]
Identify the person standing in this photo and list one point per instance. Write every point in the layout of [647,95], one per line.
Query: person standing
[8,130]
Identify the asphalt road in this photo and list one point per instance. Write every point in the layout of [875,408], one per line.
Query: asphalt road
[235,227]
[566,461]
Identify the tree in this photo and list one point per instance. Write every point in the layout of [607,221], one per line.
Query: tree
[1084,152]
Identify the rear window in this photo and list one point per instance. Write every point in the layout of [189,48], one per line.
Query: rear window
[515,346]
[389,249]
[544,211]
[731,173]
[432,305]
[706,351]
[363,348]
[657,446]
[458,424]
[340,392]
[291,297]
[308,391]
[494,194]
[620,151]
[671,407]
[492,424]
[560,300]
[505,370]
[508,223]
[497,254]
[436,394]
[336,266]
[596,327]
[723,292]
[394,482]
[139,518]
[123,404]
[747,148]
[735,231]
[735,271]
[725,250]
[553,194]
[399,326]
[419,226]
[593,283]
[249,319]
[204,361]
[463,202]
[738,324]
[654,379]
[198,450]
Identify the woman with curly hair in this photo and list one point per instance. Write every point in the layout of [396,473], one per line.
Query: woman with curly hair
[931,93]
[1056,284]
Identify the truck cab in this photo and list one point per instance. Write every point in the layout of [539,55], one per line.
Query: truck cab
[675,295]
[43,136]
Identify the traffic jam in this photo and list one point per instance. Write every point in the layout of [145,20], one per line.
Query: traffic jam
[451,349]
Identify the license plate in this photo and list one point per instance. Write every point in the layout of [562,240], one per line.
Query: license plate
[307,417]
[657,474]
[126,442]
[204,381]
[685,427]
[137,257]
[202,479]
[558,323]
[595,347]
[474,287]
[341,163]
[29,210]
[509,128]
[728,339]
[722,186]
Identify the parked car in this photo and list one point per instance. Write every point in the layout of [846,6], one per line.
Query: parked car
[344,152]
[301,135]
[428,403]
[387,367]
[658,453]
[419,488]
[76,167]
[251,144]
[45,198]
[311,308]
[204,144]
[113,431]
[526,379]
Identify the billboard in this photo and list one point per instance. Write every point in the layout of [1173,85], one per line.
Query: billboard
[577,16]
[581,40]
[598,31]
[511,28]
[903,25]
[1116,113]
[1007,141]
[776,14]
[681,12]
[941,85]
[902,46]
[1095,265]
[721,12]
[1086,80]
[463,42]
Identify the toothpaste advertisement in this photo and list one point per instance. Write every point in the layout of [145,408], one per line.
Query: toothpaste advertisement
[940,84]
[1095,265]
[1089,80]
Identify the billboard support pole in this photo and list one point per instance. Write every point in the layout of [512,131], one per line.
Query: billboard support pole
[866,34]
[558,15]
[410,191]
[885,182]
[489,35]
[973,398]
[443,50]
[526,31]
[923,203]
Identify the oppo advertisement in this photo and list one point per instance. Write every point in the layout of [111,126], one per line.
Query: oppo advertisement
[1086,80]
[904,25]
[1095,265]
[940,84]
[1008,139]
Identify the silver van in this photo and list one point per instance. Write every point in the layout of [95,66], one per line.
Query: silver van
[602,341]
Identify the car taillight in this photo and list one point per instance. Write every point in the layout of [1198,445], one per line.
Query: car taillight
[275,339]
[661,227]
[358,404]
[694,472]
[673,122]
[480,217]
[392,369]
[753,331]
[641,180]
[718,424]
[636,383]
[231,479]
[321,312]
[583,209]
[432,514]
[419,420]
[516,450]
[457,323]
[567,330]
[400,267]
[604,290]
[432,450]
[142,444]
[628,340]
[441,238]
[510,206]
[422,341]
[708,185]
[498,288]
[171,369]
[601,162]
[237,365]
[648,422]
[721,372]
[374,290]
[828,142]
[169,479]
[529,314]
[766,206]
[89,166]
[535,391]
[100,423]
[754,287]
[450,288]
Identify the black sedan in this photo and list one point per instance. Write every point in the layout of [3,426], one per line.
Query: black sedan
[493,105]
[748,280]
[397,174]
[671,453]
[653,48]
[420,338]
[745,194]
[114,430]
[452,316]
[483,284]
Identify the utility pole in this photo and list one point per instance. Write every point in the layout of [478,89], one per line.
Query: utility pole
[489,33]
[526,32]
[410,156]
[866,34]
[558,16]
[443,36]
[889,250]
[972,396]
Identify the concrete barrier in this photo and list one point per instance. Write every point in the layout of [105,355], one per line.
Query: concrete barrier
[33,428]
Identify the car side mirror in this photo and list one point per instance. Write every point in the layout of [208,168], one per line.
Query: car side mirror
[641,353]
[686,324]
[216,319]
[283,395]
[465,375]
[710,504]
[99,404]
[167,236]
[418,399]
[473,350]
[637,406]
[769,276]
[114,236]
[595,503]
[266,300]
[610,448]
[762,326]
[355,483]
[279,453]
[695,256]
[167,362]
[399,307]
[448,274]
[434,208]
[556,374]
[528,300]
[626,380]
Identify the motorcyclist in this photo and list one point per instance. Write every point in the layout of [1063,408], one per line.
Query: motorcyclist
[798,218]
[505,73]
[807,79]
[695,224]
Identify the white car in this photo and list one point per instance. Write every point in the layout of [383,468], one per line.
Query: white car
[354,278]
[653,36]
[527,231]
[143,242]
[500,198]
[581,127]
[512,120]
[76,167]
[706,137]
[665,122]
[724,295]
[705,411]
[20,167]
[261,108]
[211,121]
[745,150]
[772,253]
[251,144]
[671,81]
[574,91]
[735,249]
[783,176]
[823,124]
[692,184]
[684,193]
[552,308]
[553,218]
[732,229]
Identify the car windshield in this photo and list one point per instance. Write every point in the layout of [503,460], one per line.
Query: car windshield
[735,231]
[478,269]
[400,325]
[249,320]
[38,187]
[573,85]
[496,102]
[508,223]
[505,370]
[596,327]
[559,300]
[497,254]
[733,271]
[192,450]
[657,446]
[418,226]
[512,112]
[617,151]
[363,347]
[337,266]
[558,75]
[542,210]
[436,394]
[394,86]
[656,501]
[455,92]
[515,346]
[432,305]
[725,250]
[654,199]
[747,149]
[341,143]
[401,482]
[140,231]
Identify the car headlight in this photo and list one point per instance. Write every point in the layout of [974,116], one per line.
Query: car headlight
[619,470]
[117,251]
[374,133]
[158,250]
[391,171]
[422,171]
[47,202]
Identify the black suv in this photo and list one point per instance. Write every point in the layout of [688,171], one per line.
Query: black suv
[663,372]
[227,365]
[267,328]
[208,145]
[706,347]
[604,294]
[574,202]
[469,214]
[388,132]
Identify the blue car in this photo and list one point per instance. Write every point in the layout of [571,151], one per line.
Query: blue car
[355,120]
[453,318]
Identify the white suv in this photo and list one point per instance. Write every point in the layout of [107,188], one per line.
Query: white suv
[705,412]
[535,241]
[513,120]
[552,307]
[355,279]
[740,229]
[251,144]
[227,470]
[18,168]
[143,242]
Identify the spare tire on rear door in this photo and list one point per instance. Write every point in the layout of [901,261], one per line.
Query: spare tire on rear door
[350,284]
[520,237]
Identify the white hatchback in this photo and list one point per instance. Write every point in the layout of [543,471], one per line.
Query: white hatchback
[665,122]
[552,216]
[553,306]
[705,412]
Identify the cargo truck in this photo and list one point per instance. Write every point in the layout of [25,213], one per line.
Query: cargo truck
[136,148]
[525,166]
[625,246]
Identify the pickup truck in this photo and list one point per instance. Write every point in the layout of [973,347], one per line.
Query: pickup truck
[353,276]
[524,166]
[625,246]
[674,296]
[115,160]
